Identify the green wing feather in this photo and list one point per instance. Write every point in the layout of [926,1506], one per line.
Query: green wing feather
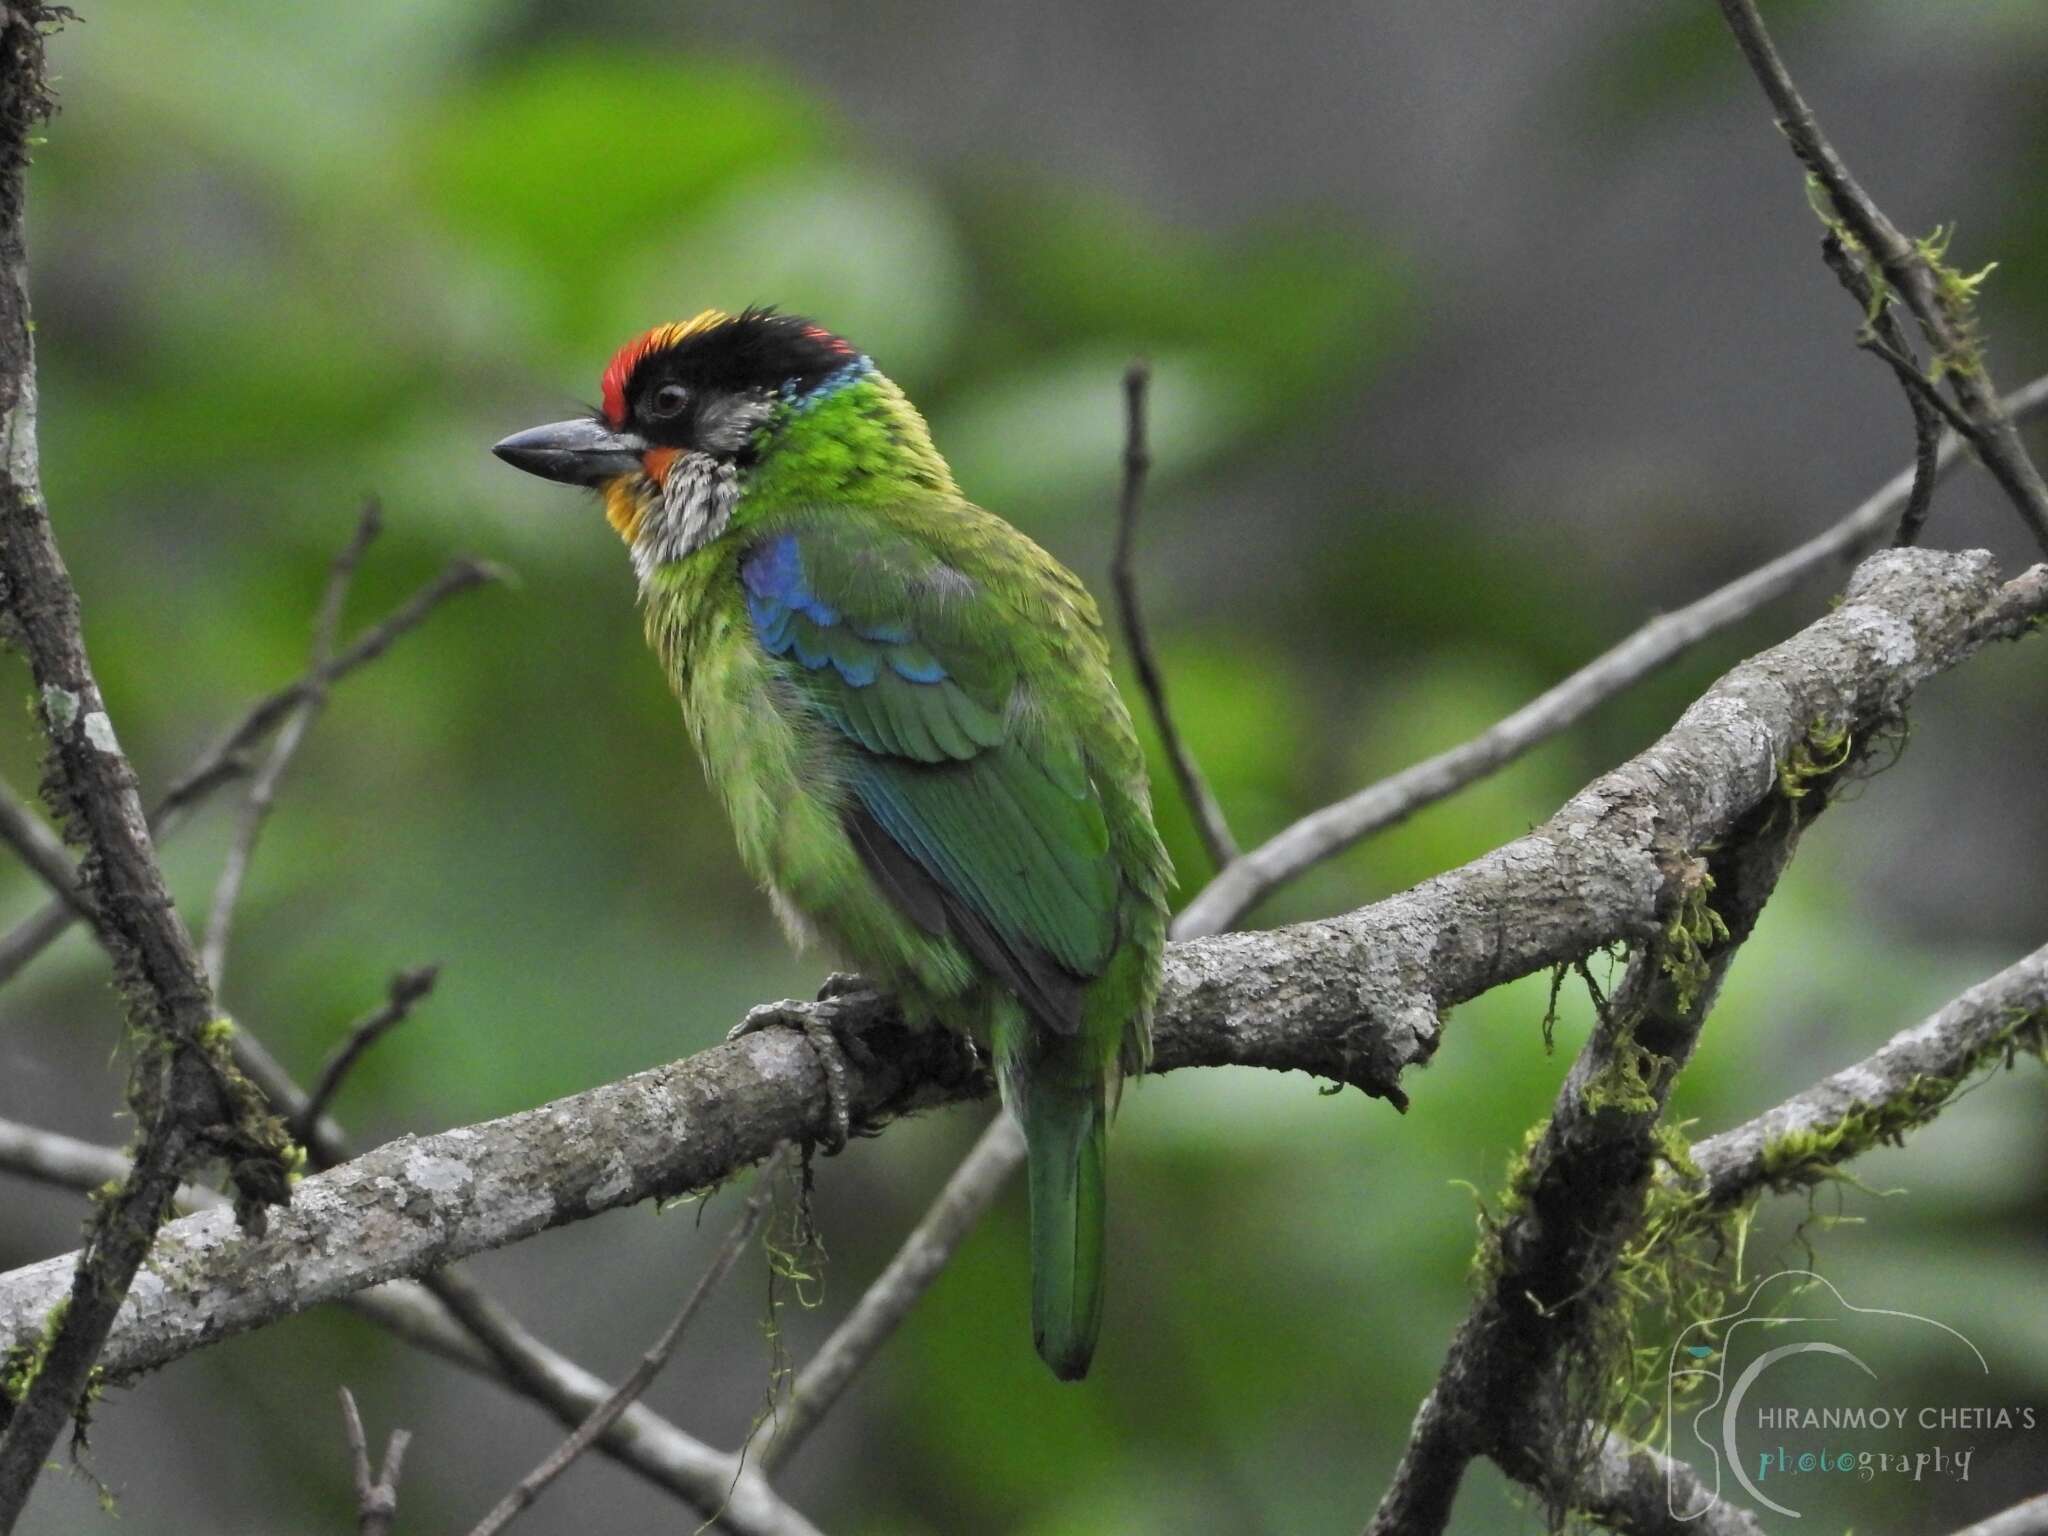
[901,653]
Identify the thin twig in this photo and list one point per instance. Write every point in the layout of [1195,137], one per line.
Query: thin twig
[227,891]
[225,760]
[1324,833]
[406,991]
[1883,336]
[1926,470]
[376,1495]
[968,1194]
[1939,301]
[38,847]
[457,576]
[535,1482]
[1210,822]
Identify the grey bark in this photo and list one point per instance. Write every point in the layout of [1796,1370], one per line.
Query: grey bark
[1940,1050]
[1356,998]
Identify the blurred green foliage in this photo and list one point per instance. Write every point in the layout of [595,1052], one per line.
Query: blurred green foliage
[345,256]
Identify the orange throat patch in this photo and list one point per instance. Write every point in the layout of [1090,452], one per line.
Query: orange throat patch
[624,507]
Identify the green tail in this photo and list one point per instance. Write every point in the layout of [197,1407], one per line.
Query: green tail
[1064,1130]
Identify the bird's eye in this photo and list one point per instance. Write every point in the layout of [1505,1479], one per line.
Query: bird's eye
[668,400]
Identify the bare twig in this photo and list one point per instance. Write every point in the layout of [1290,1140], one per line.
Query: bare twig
[968,1194]
[23,831]
[225,760]
[457,576]
[1881,335]
[642,1376]
[1210,822]
[456,1321]
[406,991]
[1926,469]
[184,1101]
[376,1495]
[1939,300]
[227,891]
[1327,832]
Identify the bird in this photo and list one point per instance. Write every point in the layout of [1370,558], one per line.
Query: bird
[907,709]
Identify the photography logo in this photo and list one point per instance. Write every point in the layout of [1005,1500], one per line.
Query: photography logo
[1794,1393]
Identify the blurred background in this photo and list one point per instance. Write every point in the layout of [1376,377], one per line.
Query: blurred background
[1480,336]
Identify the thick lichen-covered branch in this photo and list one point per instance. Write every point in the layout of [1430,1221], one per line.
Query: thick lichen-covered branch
[1544,1358]
[1536,1371]
[1356,999]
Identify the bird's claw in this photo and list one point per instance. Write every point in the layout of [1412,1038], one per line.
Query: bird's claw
[814,1023]
[842,984]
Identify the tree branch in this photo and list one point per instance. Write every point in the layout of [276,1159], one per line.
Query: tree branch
[1905,1083]
[642,1441]
[185,1098]
[1354,998]
[1584,1168]
[1514,1383]
[1940,300]
[1324,833]
[1211,824]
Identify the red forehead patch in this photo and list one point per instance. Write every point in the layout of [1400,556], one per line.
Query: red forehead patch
[619,372]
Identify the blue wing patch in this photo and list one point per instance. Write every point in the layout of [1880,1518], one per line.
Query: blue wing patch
[791,620]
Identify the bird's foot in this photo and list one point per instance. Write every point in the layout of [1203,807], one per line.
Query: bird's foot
[815,1022]
[969,1064]
[843,984]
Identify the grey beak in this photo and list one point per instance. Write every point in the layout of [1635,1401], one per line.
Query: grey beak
[578,452]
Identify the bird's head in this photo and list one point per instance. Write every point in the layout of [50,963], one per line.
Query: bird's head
[686,410]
